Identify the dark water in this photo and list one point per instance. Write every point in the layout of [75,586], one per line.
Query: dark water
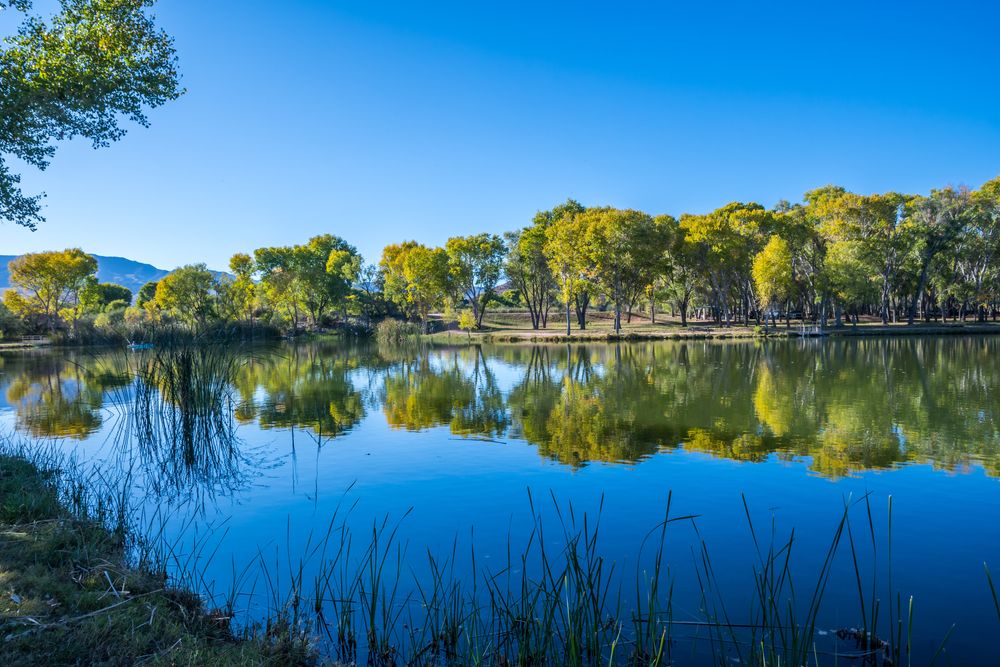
[460,435]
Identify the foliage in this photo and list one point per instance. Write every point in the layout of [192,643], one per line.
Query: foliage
[885,255]
[564,250]
[313,277]
[527,267]
[146,293]
[772,272]
[95,297]
[93,64]
[467,321]
[475,264]
[47,283]
[417,278]
[188,293]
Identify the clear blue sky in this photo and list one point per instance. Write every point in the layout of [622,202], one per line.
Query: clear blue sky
[382,121]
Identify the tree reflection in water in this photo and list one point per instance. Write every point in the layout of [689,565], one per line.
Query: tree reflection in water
[847,405]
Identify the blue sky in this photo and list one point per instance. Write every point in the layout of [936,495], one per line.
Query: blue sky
[383,121]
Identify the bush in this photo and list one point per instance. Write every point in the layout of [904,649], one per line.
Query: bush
[395,332]
[467,322]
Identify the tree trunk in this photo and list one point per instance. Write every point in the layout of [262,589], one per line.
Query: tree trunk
[582,303]
[921,286]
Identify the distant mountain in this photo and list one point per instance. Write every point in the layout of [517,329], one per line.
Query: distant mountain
[119,270]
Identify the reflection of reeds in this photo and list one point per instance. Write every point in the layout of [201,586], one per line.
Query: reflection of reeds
[541,605]
[178,415]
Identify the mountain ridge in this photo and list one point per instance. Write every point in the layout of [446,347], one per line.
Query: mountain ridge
[110,269]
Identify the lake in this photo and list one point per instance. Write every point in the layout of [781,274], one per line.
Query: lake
[465,450]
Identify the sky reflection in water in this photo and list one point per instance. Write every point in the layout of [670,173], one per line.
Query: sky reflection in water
[460,434]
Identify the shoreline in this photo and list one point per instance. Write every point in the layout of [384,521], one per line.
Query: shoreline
[72,596]
[698,332]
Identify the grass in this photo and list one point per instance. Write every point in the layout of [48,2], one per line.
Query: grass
[514,326]
[69,595]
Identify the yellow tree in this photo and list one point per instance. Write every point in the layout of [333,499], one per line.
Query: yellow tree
[730,237]
[564,250]
[47,282]
[772,274]
[416,278]
[242,290]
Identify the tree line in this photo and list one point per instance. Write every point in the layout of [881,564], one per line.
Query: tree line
[835,256]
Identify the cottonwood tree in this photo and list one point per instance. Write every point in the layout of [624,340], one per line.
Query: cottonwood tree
[848,277]
[475,265]
[78,74]
[729,237]
[326,267]
[417,278]
[528,268]
[677,276]
[564,250]
[528,271]
[618,248]
[370,289]
[936,220]
[279,283]
[46,283]
[146,293]
[241,291]
[876,223]
[96,296]
[772,274]
[188,293]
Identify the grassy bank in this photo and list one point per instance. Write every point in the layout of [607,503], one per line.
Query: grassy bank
[515,327]
[70,596]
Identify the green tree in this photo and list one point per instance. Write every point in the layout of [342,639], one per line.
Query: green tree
[315,277]
[325,268]
[677,277]
[279,283]
[370,288]
[475,264]
[528,268]
[95,297]
[937,221]
[730,237]
[93,64]
[416,278]
[344,266]
[619,249]
[188,293]
[848,276]
[875,221]
[241,291]
[467,321]
[146,293]
[45,283]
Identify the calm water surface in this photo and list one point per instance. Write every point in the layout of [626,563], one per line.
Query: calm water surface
[460,435]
